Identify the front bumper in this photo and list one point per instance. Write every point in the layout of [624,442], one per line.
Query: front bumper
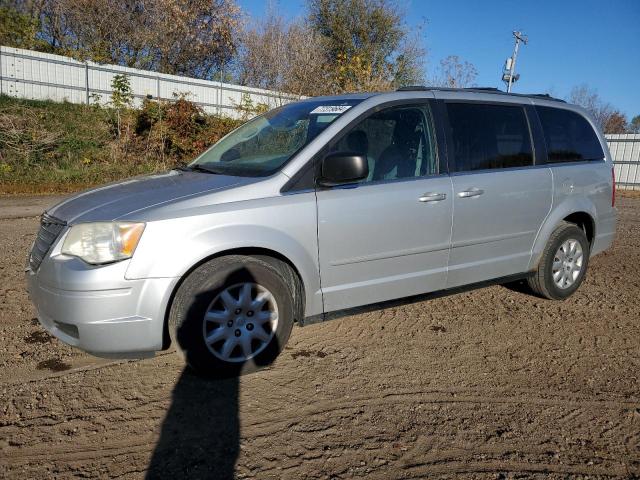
[96,309]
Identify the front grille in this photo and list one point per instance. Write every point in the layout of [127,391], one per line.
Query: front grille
[50,228]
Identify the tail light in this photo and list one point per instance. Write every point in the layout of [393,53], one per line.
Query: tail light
[613,188]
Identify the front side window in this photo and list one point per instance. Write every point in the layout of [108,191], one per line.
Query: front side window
[489,136]
[263,145]
[397,142]
[568,136]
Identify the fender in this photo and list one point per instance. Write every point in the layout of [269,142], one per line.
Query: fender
[165,251]
[284,245]
[559,212]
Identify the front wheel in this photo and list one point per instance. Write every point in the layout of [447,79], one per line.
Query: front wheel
[233,314]
[563,264]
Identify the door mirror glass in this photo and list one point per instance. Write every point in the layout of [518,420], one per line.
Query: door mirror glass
[343,168]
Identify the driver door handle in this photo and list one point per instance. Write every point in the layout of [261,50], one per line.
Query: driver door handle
[472,192]
[432,197]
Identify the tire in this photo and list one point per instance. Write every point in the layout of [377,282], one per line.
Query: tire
[558,274]
[240,296]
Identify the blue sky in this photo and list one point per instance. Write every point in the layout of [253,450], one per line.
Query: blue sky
[570,42]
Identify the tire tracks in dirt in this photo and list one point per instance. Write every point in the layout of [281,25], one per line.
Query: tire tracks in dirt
[321,409]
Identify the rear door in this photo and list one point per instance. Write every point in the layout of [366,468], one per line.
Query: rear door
[387,236]
[501,197]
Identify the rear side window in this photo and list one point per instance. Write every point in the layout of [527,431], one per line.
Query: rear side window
[568,135]
[489,136]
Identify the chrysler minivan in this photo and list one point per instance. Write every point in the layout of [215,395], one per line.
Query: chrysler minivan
[320,206]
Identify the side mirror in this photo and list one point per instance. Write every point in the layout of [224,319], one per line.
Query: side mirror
[343,168]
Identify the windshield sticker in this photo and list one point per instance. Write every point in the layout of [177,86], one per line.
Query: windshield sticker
[331,109]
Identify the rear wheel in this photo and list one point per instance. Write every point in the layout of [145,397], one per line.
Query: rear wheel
[563,264]
[233,314]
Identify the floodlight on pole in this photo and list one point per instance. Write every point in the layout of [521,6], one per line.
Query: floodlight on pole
[509,76]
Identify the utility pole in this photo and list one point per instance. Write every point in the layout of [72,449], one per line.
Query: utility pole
[509,76]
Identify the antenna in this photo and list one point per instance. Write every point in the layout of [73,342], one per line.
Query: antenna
[509,76]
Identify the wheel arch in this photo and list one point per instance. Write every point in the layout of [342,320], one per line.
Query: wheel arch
[578,211]
[258,252]
[585,221]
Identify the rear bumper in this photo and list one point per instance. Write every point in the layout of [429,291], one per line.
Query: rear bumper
[97,310]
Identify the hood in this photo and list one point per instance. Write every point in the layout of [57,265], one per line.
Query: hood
[113,201]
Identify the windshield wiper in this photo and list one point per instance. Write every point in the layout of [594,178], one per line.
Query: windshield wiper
[199,168]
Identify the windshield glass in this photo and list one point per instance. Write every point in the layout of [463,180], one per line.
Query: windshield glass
[263,145]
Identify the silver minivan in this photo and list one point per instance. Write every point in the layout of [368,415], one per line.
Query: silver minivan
[320,206]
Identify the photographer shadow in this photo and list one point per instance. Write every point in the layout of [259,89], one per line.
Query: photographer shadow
[200,435]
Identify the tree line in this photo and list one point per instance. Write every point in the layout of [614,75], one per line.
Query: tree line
[335,46]
[608,118]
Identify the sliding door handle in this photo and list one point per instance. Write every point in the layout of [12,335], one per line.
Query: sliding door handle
[432,197]
[472,192]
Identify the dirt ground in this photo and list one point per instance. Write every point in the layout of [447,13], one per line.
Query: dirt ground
[487,383]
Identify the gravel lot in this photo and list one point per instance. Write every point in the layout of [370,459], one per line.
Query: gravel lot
[487,383]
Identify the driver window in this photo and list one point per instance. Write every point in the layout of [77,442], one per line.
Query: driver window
[397,142]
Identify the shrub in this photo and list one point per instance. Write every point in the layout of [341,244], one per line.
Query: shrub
[47,146]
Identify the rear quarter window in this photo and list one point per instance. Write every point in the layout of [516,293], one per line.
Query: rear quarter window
[569,136]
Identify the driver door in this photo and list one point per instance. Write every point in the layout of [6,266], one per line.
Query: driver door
[389,235]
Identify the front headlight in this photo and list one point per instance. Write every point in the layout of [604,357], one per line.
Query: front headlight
[102,242]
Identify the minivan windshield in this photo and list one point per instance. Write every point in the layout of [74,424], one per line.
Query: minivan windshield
[263,145]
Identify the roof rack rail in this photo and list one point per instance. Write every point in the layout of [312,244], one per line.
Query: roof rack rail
[411,88]
[545,95]
[484,89]
[497,91]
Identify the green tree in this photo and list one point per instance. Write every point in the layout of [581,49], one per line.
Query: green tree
[634,124]
[121,99]
[17,29]
[247,108]
[194,38]
[122,95]
[369,43]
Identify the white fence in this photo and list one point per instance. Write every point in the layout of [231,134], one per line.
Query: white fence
[625,150]
[42,76]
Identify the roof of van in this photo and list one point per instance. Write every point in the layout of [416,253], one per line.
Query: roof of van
[419,88]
